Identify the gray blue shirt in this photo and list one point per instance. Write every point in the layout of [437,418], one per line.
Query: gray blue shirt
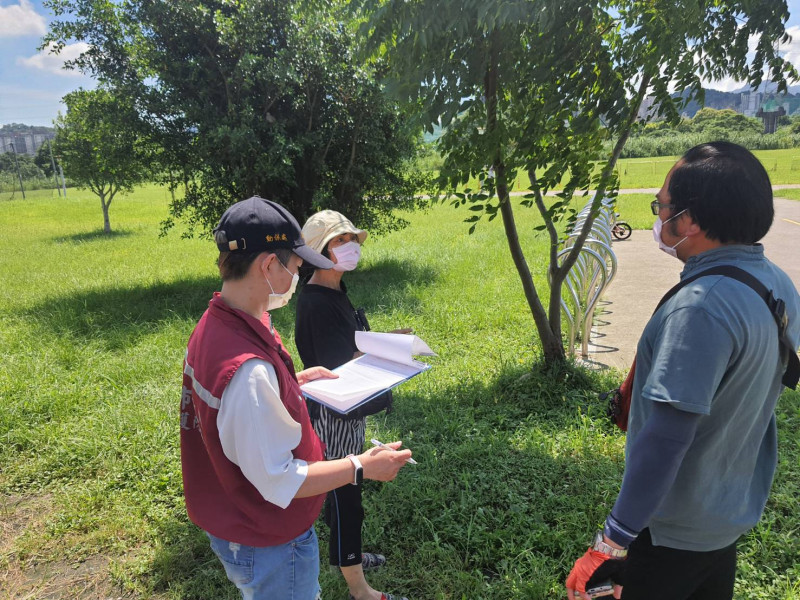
[713,350]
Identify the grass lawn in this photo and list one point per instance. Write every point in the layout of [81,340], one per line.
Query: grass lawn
[788,194]
[514,475]
[783,166]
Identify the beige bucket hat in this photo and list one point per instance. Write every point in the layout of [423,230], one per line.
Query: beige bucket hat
[325,225]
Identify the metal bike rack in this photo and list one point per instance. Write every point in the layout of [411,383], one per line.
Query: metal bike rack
[588,278]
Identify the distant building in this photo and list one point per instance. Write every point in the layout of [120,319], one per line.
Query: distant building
[24,143]
[769,113]
[751,103]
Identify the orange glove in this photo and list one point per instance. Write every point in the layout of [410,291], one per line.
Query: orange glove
[592,570]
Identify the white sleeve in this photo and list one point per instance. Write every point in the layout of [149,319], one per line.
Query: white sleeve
[258,434]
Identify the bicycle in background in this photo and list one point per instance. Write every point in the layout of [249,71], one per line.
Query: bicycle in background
[620,229]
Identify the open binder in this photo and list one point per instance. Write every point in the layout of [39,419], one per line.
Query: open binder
[388,361]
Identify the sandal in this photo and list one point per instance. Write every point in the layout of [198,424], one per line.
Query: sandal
[370,561]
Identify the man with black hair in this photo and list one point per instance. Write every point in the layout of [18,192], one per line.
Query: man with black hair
[702,442]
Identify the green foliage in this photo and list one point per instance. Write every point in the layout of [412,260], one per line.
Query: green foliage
[11,128]
[708,120]
[27,167]
[662,138]
[678,143]
[33,177]
[252,97]
[100,142]
[43,159]
[539,87]
[514,473]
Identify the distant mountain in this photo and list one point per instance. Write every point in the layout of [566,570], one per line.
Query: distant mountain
[432,137]
[719,100]
[13,128]
[713,99]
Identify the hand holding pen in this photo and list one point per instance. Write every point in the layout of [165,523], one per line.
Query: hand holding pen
[375,442]
[384,466]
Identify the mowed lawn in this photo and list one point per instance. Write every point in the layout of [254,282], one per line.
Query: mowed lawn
[514,476]
[783,167]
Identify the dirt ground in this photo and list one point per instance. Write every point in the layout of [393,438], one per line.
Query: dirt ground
[32,578]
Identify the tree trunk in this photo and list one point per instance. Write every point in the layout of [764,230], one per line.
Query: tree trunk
[552,347]
[105,205]
[350,163]
[559,273]
[554,313]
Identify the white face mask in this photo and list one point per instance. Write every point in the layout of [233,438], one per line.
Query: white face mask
[281,300]
[658,226]
[347,256]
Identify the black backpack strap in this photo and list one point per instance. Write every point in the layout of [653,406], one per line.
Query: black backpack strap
[776,306]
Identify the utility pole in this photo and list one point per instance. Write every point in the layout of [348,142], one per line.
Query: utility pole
[64,183]
[53,162]
[19,173]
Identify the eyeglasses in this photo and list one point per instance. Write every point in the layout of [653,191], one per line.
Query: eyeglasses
[656,206]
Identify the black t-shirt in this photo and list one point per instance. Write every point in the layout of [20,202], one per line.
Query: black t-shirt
[325,327]
[325,335]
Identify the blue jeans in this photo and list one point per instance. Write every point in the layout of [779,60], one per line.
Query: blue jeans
[286,572]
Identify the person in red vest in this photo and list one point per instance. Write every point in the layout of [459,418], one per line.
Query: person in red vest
[254,473]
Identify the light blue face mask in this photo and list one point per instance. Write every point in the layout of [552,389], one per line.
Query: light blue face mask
[658,226]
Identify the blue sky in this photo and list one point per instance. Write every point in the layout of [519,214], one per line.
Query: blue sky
[33,82]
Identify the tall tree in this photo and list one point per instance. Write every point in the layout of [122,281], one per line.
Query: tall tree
[251,97]
[101,145]
[538,86]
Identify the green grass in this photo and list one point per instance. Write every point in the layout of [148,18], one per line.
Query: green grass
[34,194]
[514,474]
[792,194]
[783,166]
[635,210]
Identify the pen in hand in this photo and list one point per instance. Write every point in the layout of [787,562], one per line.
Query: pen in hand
[375,442]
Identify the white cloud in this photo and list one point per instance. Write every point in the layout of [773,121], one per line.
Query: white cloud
[21,19]
[789,51]
[49,62]
[724,85]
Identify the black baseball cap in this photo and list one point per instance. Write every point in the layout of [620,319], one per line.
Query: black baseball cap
[258,225]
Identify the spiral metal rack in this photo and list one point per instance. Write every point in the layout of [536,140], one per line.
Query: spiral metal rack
[589,276]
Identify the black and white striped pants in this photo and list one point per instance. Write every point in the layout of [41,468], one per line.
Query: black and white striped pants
[341,437]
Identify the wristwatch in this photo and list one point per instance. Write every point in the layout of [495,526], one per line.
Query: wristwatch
[358,476]
[601,546]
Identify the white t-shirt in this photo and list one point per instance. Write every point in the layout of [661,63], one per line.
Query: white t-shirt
[258,434]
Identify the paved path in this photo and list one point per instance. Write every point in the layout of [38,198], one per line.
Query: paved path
[645,273]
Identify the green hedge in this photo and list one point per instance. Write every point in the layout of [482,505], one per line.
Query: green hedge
[678,143]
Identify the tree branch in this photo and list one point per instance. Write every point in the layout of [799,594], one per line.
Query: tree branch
[603,182]
[350,163]
[548,222]
[224,78]
[551,345]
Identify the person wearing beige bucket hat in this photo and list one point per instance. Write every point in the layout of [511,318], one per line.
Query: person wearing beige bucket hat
[325,225]
[325,327]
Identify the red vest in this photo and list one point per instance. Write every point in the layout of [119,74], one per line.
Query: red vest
[219,498]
